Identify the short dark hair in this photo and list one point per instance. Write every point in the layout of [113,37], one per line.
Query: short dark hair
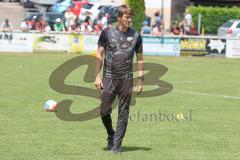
[124,9]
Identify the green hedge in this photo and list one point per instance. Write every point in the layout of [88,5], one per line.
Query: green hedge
[139,13]
[213,17]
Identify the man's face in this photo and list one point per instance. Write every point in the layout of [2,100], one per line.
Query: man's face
[125,20]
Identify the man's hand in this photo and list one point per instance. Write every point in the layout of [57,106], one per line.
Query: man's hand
[139,87]
[99,58]
[98,83]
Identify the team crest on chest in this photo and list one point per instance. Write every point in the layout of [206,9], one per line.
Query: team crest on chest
[129,39]
[125,45]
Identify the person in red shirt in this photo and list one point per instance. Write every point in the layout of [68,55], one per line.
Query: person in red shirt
[41,25]
[175,30]
[192,31]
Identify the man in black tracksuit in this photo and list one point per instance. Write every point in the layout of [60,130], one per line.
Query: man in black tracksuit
[117,45]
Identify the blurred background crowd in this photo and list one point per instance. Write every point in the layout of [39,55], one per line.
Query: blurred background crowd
[156,17]
[84,16]
[63,16]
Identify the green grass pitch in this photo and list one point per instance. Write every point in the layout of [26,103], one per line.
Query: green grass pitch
[209,87]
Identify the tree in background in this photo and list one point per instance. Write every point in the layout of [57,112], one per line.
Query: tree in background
[213,17]
[139,13]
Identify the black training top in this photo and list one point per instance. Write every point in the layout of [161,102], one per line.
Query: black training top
[119,51]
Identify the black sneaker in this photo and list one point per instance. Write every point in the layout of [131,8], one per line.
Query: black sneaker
[110,140]
[116,149]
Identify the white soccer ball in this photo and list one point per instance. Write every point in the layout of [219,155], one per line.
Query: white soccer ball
[50,105]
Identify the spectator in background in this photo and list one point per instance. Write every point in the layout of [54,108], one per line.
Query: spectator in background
[175,30]
[98,27]
[148,20]
[86,26]
[59,26]
[187,22]
[156,30]
[192,30]
[70,19]
[48,28]
[145,29]
[33,23]
[104,21]
[158,19]
[41,25]
[6,26]
[74,28]
[25,25]
[88,19]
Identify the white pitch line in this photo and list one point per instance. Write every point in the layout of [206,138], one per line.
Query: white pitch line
[179,82]
[194,70]
[206,94]
[197,82]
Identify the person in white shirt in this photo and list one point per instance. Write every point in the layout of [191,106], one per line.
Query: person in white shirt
[104,21]
[6,26]
[25,25]
[187,21]
[69,19]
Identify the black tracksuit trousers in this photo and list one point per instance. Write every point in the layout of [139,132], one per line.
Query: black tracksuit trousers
[123,89]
